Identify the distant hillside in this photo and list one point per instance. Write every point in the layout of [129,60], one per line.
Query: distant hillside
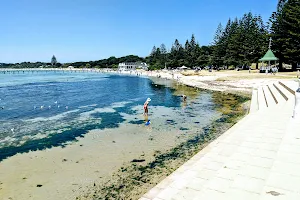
[111,62]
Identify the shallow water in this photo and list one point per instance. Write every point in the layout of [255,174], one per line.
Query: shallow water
[47,109]
[97,119]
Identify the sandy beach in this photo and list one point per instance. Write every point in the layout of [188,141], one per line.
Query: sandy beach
[231,81]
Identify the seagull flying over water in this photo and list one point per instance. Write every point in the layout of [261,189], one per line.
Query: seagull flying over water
[42,107]
[49,107]
[58,106]
[12,130]
[55,102]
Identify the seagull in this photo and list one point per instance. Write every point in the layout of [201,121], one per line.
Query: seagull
[58,106]
[55,102]
[66,107]
[42,107]
[12,130]
[49,107]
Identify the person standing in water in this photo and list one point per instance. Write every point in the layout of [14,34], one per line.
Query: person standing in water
[146,106]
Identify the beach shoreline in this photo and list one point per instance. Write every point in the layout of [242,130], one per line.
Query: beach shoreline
[230,81]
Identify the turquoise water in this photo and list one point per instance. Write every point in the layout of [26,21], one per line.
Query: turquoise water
[48,109]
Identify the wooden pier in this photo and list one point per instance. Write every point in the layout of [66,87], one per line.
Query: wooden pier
[55,70]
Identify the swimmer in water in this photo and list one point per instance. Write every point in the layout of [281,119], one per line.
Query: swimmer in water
[146,106]
[184,97]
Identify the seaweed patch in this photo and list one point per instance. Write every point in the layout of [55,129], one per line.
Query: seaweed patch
[136,178]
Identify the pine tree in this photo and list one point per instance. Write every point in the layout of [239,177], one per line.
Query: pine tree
[218,47]
[163,49]
[152,57]
[187,53]
[193,42]
[178,54]
[285,31]
[153,52]
[187,46]
[218,34]
[53,60]
[164,53]
[281,4]
[193,51]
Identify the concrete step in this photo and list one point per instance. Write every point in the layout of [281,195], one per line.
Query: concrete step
[254,102]
[261,99]
[291,86]
[282,91]
[290,94]
[276,94]
[269,98]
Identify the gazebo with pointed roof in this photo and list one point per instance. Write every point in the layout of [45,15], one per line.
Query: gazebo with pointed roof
[269,56]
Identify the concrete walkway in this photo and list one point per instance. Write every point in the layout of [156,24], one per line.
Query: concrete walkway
[258,158]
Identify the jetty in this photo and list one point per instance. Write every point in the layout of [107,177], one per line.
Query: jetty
[257,158]
[45,70]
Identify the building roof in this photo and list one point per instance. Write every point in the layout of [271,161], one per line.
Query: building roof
[269,56]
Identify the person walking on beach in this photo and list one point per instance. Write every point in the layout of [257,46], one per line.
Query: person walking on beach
[146,106]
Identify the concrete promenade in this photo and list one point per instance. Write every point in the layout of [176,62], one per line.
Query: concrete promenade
[258,158]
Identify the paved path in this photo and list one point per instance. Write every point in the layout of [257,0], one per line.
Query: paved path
[258,158]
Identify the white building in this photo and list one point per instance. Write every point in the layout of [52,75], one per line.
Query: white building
[132,66]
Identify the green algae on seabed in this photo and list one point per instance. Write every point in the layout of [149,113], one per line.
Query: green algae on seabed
[69,134]
[135,179]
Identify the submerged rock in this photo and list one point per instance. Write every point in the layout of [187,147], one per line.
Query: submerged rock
[138,160]
[170,121]
[136,122]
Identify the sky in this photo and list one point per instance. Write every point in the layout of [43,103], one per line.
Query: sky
[85,30]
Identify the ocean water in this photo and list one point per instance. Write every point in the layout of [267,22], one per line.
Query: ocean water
[47,109]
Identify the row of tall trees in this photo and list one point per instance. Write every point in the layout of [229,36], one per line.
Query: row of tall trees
[242,41]
[190,54]
[285,32]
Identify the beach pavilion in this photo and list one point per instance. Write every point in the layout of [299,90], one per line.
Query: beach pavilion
[268,57]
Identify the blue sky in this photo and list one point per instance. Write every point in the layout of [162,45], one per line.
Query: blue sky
[84,30]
